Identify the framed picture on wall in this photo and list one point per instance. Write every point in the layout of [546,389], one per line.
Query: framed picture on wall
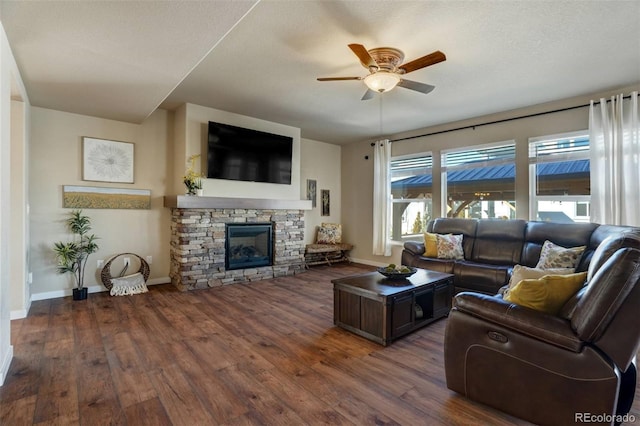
[311,192]
[107,161]
[326,202]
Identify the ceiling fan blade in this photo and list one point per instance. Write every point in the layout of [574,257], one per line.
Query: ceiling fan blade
[369,94]
[364,56]
[425,61]
[414,85]
[338,78]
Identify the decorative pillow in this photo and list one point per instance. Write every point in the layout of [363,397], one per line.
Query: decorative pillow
[554,256]
[449,246]
[430,245]
[128,285]
[547,294]
[330,233]
[521,272]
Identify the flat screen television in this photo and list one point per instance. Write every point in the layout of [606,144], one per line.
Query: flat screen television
[236,153]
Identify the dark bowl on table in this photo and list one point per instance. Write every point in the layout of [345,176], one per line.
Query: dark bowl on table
[396,275]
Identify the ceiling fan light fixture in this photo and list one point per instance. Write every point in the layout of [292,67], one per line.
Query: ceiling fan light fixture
[382,81]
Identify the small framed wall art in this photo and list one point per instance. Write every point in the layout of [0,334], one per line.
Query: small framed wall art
[311,191]
[326,202]
[94,197]
[107,161]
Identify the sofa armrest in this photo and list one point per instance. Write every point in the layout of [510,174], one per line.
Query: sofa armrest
[414,247]
[539,325]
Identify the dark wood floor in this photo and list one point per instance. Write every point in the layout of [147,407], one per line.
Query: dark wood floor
[262,353]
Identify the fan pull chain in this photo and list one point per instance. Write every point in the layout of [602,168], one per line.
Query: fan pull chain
[380,96]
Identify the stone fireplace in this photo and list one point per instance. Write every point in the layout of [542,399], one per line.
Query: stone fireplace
[199,233]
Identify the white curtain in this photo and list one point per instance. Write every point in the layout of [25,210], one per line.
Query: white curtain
[614,137]
[381,200]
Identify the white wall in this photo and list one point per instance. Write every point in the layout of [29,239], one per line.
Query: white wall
[321,162]
[311,160]
[197,119]
[56,160]
[357,173]
[20,294]
[11,85]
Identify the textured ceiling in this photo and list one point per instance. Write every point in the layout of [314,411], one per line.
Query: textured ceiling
[120,60]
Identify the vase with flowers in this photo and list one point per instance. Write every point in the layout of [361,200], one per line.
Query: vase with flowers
[191,179]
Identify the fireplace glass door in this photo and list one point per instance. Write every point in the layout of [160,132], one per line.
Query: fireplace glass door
[248,245]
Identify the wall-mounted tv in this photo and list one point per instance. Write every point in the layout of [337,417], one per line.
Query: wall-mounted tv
[236,153]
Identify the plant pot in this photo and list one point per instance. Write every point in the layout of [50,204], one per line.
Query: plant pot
[80,293]
[199,192]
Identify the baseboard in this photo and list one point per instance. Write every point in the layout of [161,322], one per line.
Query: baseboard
[92,289]
[367,262]
[18,314]
[161,280]
[6,362]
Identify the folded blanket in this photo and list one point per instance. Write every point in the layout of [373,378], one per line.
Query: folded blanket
[128,285]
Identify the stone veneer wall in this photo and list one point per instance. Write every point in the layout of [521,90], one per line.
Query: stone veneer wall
[197,246]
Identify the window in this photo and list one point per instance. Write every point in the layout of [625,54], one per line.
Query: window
[479,182]
[559,174]
[411,194]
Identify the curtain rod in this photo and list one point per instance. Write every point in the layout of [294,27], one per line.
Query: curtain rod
[504,120]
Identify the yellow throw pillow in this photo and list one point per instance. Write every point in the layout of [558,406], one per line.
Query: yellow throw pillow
[430,245]
[547,294]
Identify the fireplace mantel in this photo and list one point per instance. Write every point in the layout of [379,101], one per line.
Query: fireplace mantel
[194,202]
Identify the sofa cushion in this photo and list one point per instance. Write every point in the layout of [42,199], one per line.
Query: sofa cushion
[413,248]
[509,234]
[547,294]
[624,234]
[496,310]
[555,256]
[607,247]
[433,264]
[480,276]
[449,246]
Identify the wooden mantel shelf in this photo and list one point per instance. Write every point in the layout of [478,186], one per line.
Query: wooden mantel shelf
[194,202]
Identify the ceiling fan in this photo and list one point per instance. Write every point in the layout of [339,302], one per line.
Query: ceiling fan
[385,73]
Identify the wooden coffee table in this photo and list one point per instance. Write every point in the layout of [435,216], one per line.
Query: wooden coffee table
[384,310]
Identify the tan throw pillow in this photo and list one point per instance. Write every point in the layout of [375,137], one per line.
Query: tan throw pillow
[329,233]
[554,256]
[450,246]
[547,294]
[430,245]
[521,272]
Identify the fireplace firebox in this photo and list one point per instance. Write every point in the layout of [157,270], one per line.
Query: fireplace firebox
[248,245]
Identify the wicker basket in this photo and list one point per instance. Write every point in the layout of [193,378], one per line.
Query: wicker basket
[106,276]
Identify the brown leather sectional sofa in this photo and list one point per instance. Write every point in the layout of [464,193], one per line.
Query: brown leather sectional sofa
[574,367]
[493,246]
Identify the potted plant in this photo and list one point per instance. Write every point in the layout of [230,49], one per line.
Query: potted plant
[191,179]
[72,256]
